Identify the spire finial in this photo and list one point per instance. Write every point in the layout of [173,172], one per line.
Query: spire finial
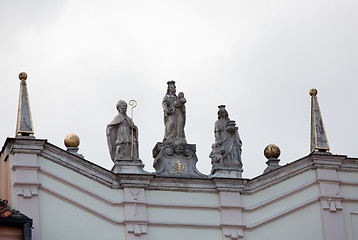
[24,125]
[319,141]
[23,76]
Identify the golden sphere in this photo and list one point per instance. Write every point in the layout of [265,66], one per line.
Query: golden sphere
[72,140]
[23,76]
[313,92]
[272,151]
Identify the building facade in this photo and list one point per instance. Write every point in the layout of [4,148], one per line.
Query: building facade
[68,197]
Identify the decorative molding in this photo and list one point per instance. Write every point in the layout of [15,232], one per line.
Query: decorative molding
[234,208]
[331,204]
[182,184]
[230,184]
[135,214]
[24,167]
[27,190]
[134,181]
[329,181]
[78,188]
[280,197]
[136,229]
[183,225]
[81,206]
[181,206]
[350,200]
[25,145]
[80,165]
[349,183]
[120,203]
[281,214]
[233,234]
[179,224]
[177,206]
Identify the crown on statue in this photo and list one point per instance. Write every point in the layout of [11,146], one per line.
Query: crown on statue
[171,82]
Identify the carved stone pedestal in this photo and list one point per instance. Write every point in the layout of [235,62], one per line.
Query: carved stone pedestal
[226,172]
[175,159]
[128,166]
[272,164]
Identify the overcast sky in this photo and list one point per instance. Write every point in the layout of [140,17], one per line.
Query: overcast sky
[259,58]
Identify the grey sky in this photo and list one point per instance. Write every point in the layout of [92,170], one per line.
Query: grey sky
[259,58]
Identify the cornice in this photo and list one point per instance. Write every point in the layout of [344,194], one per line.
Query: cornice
[278,175]
[182,184]
[79,165]
[151,181]
[23,145]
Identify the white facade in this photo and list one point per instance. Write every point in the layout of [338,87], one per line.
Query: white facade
[315,197]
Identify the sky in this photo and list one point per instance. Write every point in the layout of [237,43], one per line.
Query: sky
[259,58]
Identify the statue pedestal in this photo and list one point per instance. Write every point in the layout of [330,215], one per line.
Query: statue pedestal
[176,159]
[128,166]
[226,172]
[272,164]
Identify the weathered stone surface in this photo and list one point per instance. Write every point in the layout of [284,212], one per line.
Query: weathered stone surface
[122,139]
[122,135]
[226,151]
[175,159]
[319,140]
[174,115]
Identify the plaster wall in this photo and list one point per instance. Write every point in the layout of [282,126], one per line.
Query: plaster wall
[347,176]
[279,188]
[157,233]
[354,232]
[350,214]
[303,224]
[182,198]
[184,216]
[295,201]
[79,198]
[183,207]
[349,190]
[12,180]
[50,168]
[62,220]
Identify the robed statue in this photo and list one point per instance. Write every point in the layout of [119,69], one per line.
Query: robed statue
[226,151]
[122,135]
[174,114]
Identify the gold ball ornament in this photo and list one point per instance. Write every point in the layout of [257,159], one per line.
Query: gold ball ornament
[23,76]
[313,92]
[272,151]
[72,140]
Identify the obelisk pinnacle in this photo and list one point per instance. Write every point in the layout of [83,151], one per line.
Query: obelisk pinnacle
[24,125]
[319,141]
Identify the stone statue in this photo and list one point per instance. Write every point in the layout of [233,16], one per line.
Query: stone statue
[174,156]
[121,134]
[226,151]
[174,114]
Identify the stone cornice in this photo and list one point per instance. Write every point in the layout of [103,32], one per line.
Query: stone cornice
[327,161]
[23,145]
[349,164]
[152,182]
[230,184]
[182,184]
[79,165]
[278,175]
[312,161]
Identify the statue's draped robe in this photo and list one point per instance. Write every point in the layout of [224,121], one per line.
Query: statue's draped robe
[119,131]
[230,143]
[180,116]
[170,118]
